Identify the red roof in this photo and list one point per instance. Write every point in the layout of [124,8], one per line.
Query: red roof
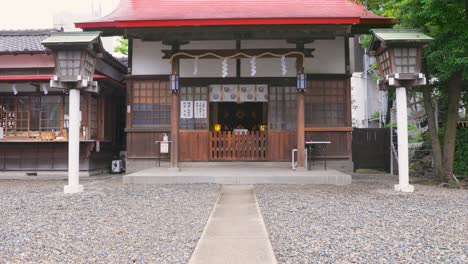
[158,13]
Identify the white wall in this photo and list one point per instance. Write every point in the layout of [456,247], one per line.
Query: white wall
[207,67]
[328,58]
[147,58]
[268,67]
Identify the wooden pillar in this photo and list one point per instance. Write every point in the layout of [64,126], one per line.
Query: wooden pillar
[175,118]
[238,61]
[348,118]
[300,119]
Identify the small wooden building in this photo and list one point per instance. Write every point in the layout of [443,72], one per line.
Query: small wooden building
[34,116]
[238,80]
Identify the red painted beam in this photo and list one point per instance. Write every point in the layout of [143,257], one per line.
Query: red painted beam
[43,60]
[231,22]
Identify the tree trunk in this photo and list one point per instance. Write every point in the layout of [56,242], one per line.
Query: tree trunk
[454,94]
[431,123]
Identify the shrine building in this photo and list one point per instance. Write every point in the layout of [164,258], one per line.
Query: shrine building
[34,116]
[231,80]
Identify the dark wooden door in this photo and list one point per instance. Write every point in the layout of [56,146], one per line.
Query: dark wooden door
[371,148]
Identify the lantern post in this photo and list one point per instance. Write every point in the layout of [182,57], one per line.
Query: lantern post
[75,59]
[399,53]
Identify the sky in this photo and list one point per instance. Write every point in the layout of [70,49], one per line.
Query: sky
[35,14]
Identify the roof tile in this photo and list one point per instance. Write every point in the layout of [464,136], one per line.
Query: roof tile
[23,41]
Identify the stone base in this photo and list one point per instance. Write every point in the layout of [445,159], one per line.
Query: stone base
[404,188]
[73,188]
[246,174]
[300,169]
[174,169]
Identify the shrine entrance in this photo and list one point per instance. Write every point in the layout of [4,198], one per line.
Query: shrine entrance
[238,121]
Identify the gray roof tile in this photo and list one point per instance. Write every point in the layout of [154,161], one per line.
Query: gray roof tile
[23,41]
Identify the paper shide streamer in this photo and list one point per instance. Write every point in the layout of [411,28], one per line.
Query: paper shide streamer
[195,66]
[253,66]
[224,67]
[284,70]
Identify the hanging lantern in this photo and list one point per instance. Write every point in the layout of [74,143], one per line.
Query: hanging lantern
[217,127]
[174,80]
[301,82]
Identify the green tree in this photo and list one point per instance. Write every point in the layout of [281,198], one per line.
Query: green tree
[445,61]
[122,47]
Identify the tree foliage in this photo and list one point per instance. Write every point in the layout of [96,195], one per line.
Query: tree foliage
[122,47]
[445,61]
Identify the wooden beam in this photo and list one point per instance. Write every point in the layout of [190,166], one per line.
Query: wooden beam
[108,70]
[130,56]
[347,56]
[237,53]
[238,61]
[348,118]
[328,129]
[263,32]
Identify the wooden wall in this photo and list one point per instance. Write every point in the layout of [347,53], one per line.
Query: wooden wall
[142,145]
[52,156]
[141,138]
[194,145]
[280,145]
[340,144]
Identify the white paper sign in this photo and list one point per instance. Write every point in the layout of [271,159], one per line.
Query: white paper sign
[200,109]
[164,147]
[186,109]
[1,133]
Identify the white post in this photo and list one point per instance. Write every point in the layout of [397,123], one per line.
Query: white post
[402,130]
[74,143]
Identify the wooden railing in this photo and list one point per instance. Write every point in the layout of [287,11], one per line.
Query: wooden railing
[227,145]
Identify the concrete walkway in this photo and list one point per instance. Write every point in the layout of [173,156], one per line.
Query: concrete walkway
[235,231]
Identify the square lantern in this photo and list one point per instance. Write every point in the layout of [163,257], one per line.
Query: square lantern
[75,56]
[399,53]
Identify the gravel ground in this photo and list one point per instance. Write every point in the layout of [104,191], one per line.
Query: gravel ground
[365,222]
[108,223]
